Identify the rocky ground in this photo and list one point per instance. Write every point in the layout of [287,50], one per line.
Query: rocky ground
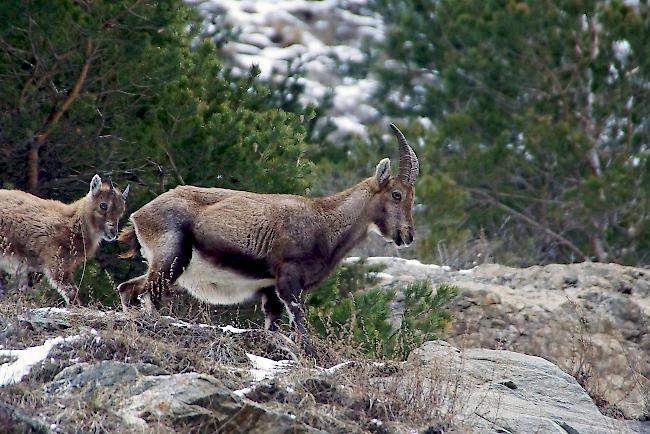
[90,370]
[85,369]
[590,319]
[82,370]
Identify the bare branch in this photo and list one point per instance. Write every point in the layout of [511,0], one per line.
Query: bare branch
[41,137]
[513,212]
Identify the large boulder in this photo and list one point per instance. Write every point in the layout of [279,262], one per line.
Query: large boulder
[503,391]
[590,319]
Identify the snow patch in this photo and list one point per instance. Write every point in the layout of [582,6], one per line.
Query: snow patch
[232,329]
[48,310]
[333,369]
[468,271]
[184,324]
[622,51]
[14,372]
[265,369]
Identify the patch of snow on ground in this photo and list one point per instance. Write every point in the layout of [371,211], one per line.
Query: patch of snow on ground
[622,50]
[468,271]
[264,368]
[183,324]
[48,310]
[232,329]
[14,372]
[333,369]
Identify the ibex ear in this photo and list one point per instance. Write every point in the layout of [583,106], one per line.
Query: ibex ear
[95,185]
[383,172]
[125,193]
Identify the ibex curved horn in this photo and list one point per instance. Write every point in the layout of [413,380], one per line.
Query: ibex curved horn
[409,166]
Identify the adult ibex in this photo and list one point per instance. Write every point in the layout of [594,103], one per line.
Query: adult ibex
[227,246]
[53,238]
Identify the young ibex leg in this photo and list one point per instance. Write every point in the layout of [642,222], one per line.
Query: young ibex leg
[64,285]
[289,287]
[272,306]
[25,281]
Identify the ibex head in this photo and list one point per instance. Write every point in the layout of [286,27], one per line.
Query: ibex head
[392,210]
[106,205]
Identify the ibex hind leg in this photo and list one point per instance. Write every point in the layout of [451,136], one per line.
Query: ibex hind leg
[167,259]
[168,264]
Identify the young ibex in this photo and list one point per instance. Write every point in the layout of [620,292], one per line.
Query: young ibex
[47,236]
[226,246]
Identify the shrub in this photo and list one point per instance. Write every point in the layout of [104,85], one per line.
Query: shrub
[341,309]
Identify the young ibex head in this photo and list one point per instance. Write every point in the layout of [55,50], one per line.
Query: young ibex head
[106,205]
[391,212]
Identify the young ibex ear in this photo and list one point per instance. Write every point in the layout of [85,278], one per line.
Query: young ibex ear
[383,171]
[95,185]
[125,193]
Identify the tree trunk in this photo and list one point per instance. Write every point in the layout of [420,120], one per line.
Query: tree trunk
[32,166]
[41,137]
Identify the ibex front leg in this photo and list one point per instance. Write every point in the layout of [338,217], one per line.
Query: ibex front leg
[62,281]
[289,285]
[273,308]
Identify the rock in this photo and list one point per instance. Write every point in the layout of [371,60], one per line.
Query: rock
[40,320]
[588,315]
[202,401]
[311,35]
[12,420]
[84,379]
[504,391]
[167,375]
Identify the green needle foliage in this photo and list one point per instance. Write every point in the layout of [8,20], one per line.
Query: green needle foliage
[538,111]
[129,88]
[343,309]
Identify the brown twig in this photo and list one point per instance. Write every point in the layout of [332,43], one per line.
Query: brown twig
[513,212]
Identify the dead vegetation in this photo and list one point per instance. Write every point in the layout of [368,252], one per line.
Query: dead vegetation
[356,395]
[583,365]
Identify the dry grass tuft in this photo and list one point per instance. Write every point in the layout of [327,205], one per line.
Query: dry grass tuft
[360,394]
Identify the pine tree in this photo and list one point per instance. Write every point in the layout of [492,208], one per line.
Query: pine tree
[539,113]
[129,88]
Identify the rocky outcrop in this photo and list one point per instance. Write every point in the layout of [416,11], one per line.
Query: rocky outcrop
[316,38]
[590,319]
[510,392]
[80,369]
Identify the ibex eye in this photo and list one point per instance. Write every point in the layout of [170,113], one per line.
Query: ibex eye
[397,195]
[103,206]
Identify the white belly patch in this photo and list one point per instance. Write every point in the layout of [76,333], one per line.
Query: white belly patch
[215,285]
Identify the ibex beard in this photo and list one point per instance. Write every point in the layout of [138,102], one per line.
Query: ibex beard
[226,246]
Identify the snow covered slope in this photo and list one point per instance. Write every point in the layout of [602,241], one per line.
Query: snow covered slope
[319,35]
